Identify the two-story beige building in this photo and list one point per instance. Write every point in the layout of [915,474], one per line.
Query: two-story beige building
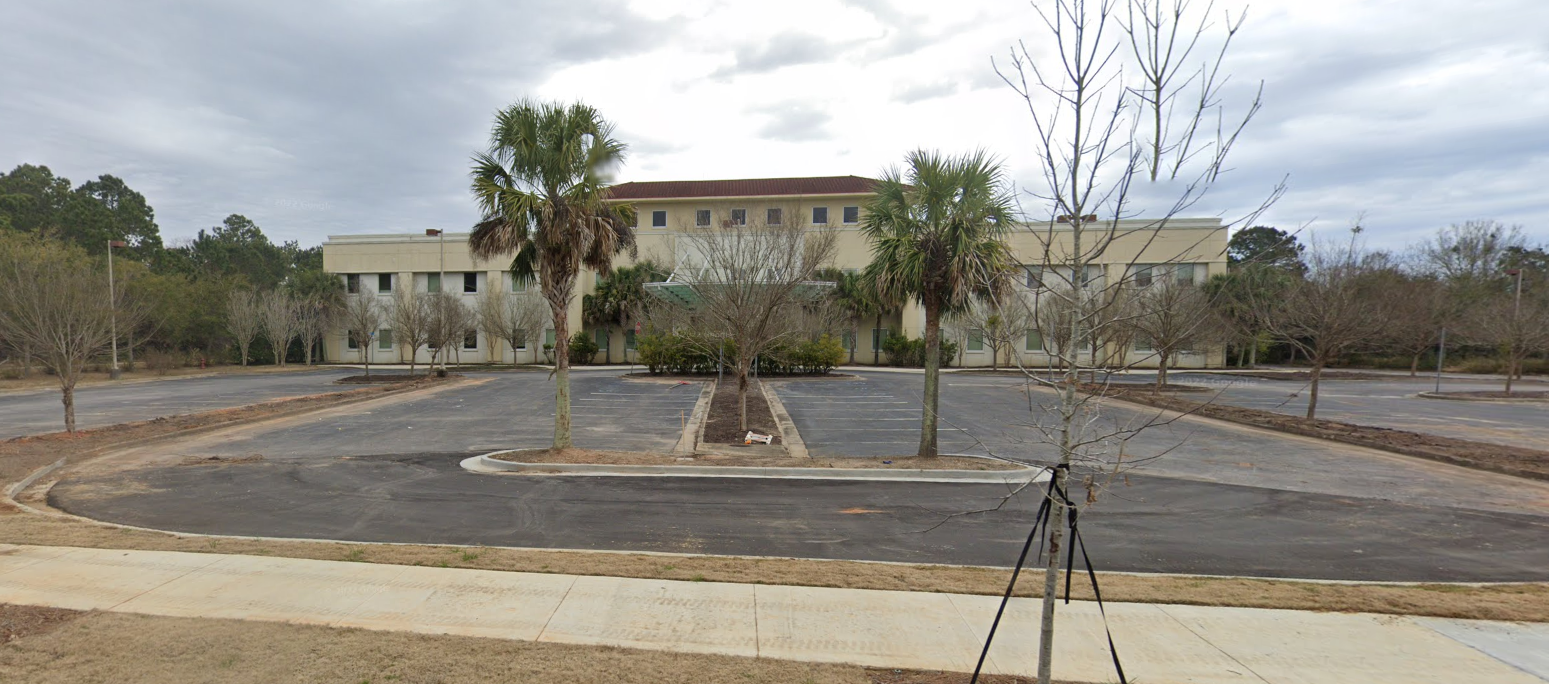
[1192,248]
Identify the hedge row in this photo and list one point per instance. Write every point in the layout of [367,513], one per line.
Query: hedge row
[674,354]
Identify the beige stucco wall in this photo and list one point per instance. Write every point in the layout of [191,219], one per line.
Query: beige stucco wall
[1198,241]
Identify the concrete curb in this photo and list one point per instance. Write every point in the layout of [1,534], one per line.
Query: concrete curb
[486,465]
[790,438]
[694,430]
[21,485]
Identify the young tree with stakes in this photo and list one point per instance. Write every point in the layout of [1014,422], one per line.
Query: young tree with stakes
[1091,149]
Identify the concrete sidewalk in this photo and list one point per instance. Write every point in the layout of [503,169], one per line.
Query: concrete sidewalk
[1158,643]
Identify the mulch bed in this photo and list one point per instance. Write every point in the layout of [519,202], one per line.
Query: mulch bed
[17,621]
[1500,458]
[721,424]
[375,378]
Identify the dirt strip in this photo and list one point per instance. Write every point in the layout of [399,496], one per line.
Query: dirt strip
[66,646]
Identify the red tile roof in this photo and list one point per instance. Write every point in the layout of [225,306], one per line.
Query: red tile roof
[752,187]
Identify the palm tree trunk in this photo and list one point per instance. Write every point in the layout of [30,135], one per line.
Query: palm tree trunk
[562,437]
[876,346]
[932,379]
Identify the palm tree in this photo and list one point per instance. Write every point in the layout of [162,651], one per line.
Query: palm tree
[937,232]
[619,297]
[542,189]
[855,294]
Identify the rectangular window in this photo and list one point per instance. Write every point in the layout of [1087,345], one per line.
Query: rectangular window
[519,284]
[847,340]
[1142,276]
[384,339]
[1143,343]
[739,217]
[384,283]
[601,336]
[702,217]
[548,337]
[1034,277]
[773,217]
[1093,276]
[878,337]
[629,338]
[433,282]
[470,283]
[819,216]
[659,218]
[976,340]
[471,339]
[521,340]
[352,283]
[852,214]
[351,340]
[1183,274]
[1034,340]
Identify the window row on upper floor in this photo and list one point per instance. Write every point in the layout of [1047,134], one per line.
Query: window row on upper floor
[773,216]
[469,282]
[1139,275]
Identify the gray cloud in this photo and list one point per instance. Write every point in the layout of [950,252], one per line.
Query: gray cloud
[779,51]
[309,118]
[795,122]
[925,91]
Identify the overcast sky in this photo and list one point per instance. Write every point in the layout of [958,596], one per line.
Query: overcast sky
[319,118]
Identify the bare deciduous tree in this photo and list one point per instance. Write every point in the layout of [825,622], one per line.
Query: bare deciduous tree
[54,301]
[278,318]
[1174,316]
[749,283]
[1091,151]
[1336,309]
[362,316]
[514,318]
[244,318]
[448,322]
[314,317]
[1516,325]
[410,321]
[1469,256]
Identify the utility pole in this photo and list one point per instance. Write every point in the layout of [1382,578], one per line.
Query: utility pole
[112,302]
[1441,356]
[440,235]
[1516,320]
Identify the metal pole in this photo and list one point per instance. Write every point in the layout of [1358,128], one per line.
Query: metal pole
[113,311]
[1441,356]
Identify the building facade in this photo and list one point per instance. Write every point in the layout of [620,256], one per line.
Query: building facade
[1184,249]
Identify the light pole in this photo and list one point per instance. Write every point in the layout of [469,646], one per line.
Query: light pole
[441,280]
[1516,320]
[113,306]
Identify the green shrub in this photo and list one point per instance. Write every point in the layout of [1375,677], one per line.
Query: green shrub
[160,362]
[582,348]
[910,353]
[673,354]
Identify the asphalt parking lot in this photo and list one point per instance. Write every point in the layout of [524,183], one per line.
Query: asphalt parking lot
[1393,403]
[879,413]
[39,411]
[488,412]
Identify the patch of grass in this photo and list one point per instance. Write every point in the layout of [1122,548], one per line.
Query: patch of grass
[470,556]
[356,555]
